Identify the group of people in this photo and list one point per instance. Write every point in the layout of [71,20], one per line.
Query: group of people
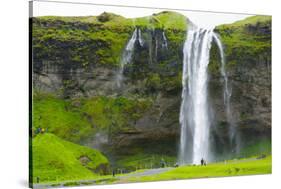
[202,161]
[164,164]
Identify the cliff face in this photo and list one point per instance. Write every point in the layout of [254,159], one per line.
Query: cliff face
[247,46]
[76,60]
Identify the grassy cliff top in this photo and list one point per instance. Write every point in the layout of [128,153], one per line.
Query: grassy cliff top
[251,20]
[163,20]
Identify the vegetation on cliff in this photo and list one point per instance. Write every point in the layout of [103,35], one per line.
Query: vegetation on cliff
[246,42]
[95,39]
[78,119]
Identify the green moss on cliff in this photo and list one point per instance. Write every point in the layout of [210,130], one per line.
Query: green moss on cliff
[78,119]
[246,42]
[68,43]
[114,114]
[81,41]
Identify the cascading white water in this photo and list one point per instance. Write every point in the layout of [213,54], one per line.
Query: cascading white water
[140,38]
[194,112]
[165,42]
[127,54]
[226,91]
[233,135]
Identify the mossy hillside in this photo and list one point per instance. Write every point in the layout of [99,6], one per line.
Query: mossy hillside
[246,42]
[56,159]
[58,116]
[80,118]
[94,39]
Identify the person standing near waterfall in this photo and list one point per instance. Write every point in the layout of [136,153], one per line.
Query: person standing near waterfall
[202,162]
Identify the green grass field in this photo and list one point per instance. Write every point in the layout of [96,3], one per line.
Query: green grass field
[240,167]
[250,166]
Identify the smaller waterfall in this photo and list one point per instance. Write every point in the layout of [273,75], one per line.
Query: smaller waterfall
[140,38]
[156,48]
[127,56]
[227,92]
[233,135]
[165,42]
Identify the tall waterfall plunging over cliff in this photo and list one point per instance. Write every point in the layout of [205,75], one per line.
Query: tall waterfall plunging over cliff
[194,113]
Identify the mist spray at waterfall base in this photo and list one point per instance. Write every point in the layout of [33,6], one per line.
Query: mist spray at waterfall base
[195,111]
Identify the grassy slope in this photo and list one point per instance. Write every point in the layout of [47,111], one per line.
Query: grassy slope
[57,159]
[231,168]
[55,115]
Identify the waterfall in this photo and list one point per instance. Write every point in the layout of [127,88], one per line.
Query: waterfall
[194,112]
[127,54]
[226,91]
[165,42]
[233,135]
[140,38]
